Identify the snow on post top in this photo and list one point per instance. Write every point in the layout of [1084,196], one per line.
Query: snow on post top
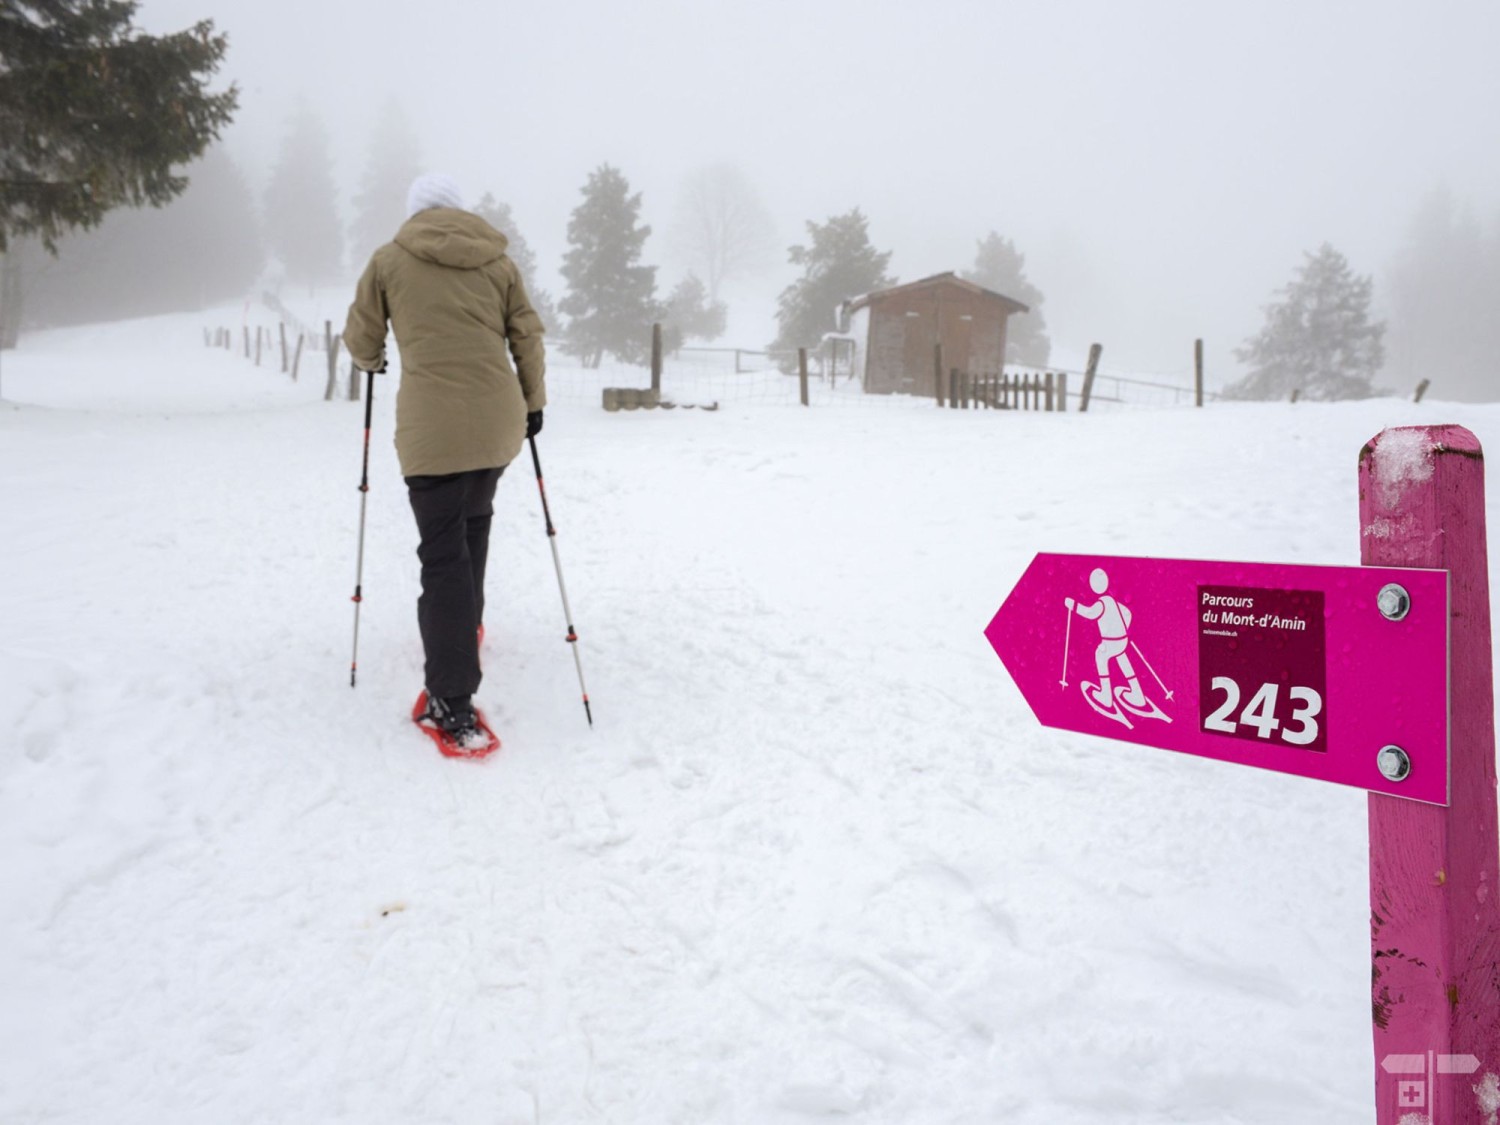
[1402,457]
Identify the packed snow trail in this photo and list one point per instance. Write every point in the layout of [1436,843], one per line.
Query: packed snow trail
[815,860]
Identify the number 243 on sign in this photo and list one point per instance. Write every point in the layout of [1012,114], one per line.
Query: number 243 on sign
[1298,723]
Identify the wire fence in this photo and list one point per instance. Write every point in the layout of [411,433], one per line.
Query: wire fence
[710,377]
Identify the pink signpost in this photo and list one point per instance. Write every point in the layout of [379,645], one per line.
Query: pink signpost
[1375,676]
[1434,872]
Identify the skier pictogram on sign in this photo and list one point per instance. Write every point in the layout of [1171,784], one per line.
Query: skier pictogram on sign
[1114,701]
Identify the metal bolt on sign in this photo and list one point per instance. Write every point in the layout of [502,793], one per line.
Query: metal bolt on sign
[1394,601]
[1394,763]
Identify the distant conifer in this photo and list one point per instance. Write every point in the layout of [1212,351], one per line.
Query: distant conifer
[838,264]
[1318,340]
[611,301]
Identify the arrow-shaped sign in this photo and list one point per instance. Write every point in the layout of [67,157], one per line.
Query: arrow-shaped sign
[1334,673]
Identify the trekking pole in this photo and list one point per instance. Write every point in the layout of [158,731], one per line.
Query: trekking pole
[1150,669]
[364,496]
[1067,640]
[572,637]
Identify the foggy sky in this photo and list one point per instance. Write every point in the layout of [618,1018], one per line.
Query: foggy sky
[1162,165]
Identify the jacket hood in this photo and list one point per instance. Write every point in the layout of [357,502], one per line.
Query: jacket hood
[459,239]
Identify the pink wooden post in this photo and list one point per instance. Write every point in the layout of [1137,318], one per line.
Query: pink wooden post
[1434,871]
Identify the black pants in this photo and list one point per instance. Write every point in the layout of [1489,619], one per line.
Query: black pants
[453,518]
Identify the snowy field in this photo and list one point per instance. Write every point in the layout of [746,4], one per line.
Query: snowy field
[816,861]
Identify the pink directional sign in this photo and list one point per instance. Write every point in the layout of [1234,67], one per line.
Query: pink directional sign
[1334,673]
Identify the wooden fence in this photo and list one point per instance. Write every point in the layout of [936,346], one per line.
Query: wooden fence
[1045,391]
[291,357]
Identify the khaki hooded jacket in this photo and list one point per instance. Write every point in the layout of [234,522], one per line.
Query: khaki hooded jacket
[461,315]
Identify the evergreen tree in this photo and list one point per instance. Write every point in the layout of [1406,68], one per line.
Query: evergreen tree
[498,215]
[94,115]
[1318,339]
[395,159]
[611,301]
[691,315]
[1001,268]
[302,221]
[839,264]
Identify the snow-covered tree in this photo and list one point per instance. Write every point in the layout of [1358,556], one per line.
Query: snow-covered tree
[498,215]
[394,160]
[1001,268]
[837,264]
[611,300]
[1317,339]
[720,228]
[95,115]
[302,220]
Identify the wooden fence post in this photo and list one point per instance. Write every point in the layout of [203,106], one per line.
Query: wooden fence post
[1051,392]
[952,388]
[1088,377]
[656,360]
[937,371]
[802,374]
[297,357]
[1197,372]
[1434,870]
[257,345]
[247,340]
[281,325]
[331,348]
[1062,391]
[1421,390]
[1296,393]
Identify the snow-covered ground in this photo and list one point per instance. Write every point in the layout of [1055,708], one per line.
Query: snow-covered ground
[814,862]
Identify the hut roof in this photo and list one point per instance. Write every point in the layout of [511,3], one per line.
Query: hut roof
[937,280]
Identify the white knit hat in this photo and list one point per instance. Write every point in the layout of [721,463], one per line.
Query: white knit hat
[433,190]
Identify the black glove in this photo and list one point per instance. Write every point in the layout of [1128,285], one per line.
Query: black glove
[533,423]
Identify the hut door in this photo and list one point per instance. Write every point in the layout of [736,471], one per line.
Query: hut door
[958,336]
[920,319]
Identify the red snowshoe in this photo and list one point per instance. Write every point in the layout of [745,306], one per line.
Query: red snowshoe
[478,741]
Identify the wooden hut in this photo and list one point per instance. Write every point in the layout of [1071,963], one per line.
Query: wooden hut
[896,331]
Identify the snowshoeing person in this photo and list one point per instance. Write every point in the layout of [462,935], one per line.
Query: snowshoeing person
[472,392]
[1114,639]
